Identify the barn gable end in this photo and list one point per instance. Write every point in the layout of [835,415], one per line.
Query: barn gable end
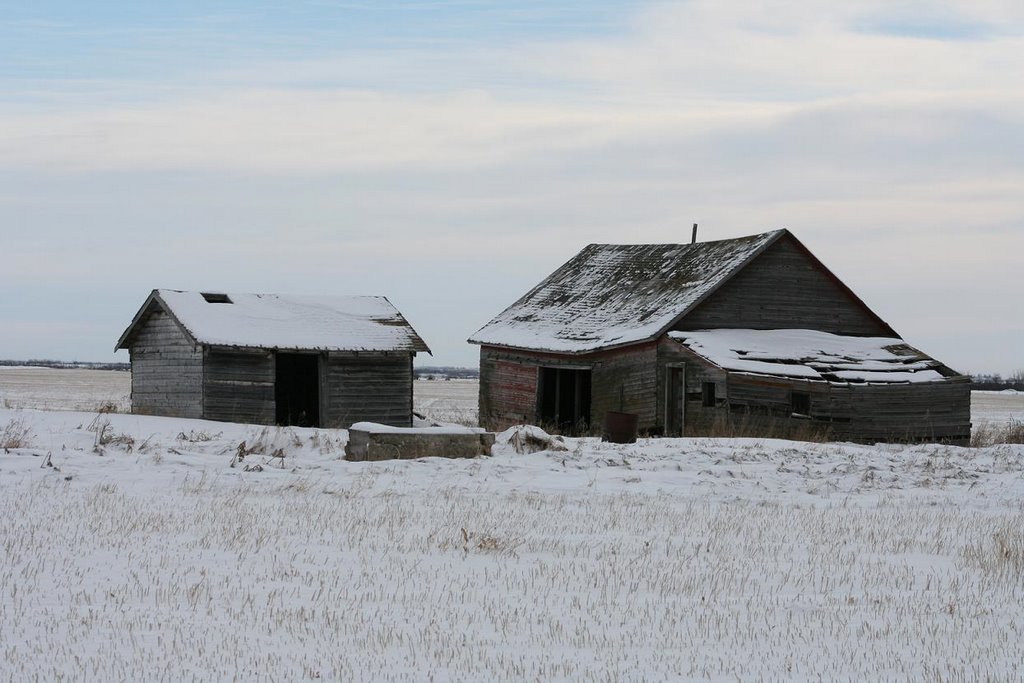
[785,287]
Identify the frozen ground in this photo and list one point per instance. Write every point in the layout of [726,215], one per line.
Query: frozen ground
[132,550]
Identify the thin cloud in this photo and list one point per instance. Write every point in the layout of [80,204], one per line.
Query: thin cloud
[479,168]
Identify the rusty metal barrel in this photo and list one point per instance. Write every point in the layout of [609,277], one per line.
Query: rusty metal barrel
[620,427]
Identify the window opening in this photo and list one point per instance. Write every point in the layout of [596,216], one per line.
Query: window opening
[708,394]
[800,402]
[216,298]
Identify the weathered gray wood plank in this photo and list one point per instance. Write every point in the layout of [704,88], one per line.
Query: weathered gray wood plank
[783,289]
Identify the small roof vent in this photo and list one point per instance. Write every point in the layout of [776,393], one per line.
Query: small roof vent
[216,298]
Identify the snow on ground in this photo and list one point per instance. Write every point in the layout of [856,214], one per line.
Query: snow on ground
[132,549]
[998,407]
[452,400]
[64,389]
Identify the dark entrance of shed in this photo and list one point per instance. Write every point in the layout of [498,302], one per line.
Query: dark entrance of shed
[297,389]
[675,400]
[564,399]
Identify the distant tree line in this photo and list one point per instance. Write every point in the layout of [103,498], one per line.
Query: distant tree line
[446,372]
[997,382]
[64,365]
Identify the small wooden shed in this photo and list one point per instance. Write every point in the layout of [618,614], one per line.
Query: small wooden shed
[689,336]
[312,361]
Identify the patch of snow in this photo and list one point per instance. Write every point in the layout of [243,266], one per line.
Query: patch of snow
[530,439]
[811,354]
[274,321]
[375,428]
[884,377]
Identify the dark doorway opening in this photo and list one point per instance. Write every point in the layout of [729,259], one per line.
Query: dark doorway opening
[297,389]
[675,401]
[564,400]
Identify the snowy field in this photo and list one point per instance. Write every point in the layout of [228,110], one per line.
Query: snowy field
[131,549]
[52,389]
[59,389]
[998,407]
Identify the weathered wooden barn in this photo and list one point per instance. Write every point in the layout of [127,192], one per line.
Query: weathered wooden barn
[696,336]
[270,359]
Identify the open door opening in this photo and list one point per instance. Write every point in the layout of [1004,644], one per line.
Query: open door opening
[564,400]
[297,389]
[675,400]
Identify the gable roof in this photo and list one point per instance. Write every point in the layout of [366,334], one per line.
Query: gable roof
[617,294]
[814,355]
[274,321]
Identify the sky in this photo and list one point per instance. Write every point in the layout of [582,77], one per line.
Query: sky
[450,154]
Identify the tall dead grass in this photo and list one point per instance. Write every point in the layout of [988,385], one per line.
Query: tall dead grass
[293,580]
[993,434]
[16,434]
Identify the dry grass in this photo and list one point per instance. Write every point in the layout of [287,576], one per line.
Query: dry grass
[272,443]
[198,436]
[16,434]
[1001,555]
[297,581]
[327,444]
[992,434]
[106,436]
[108,406]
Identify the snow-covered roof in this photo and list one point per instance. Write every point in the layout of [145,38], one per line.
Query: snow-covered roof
[616,294]
[274,321]
[814,355]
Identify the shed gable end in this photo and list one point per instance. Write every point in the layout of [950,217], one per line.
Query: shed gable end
[167,368]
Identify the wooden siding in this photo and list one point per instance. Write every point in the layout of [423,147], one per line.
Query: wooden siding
[625,380]
[621,380]
[508,390]
[367,387]
[238,386]
[167,370]
[939,411]
[936,411]
[784,288]
[699,419]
